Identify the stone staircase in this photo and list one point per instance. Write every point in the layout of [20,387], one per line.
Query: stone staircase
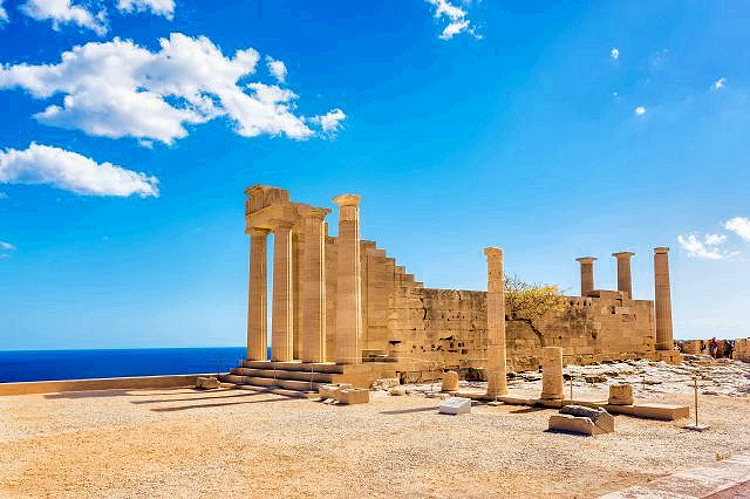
[301,379]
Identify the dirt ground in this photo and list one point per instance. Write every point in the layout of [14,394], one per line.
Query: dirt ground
[232,443]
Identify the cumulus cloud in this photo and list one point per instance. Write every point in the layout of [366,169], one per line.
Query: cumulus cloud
[331,121]
[719,84]
[614,53]
[63,12]
[458,21]
[277,69]
[3,14]
[119,89]
[640,111]
[707,247]
[740,226]
[73,172]
[158,7]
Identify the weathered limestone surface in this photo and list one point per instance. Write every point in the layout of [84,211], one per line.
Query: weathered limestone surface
[351,396]
[552,373]
[313,286]
[450,381]
[257,313]
[624,279]
[663,300]
[349,295]
[742,349]
[620,394]
[587,274]
[496,368]
[282,319]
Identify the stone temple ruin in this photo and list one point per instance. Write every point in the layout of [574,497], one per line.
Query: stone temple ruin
[344,311]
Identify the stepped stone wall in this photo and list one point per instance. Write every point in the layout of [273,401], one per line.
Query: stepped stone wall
[742,350]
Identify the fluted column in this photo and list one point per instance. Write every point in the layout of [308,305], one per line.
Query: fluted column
[663,300]
[348,299]
[624,280]
[587,274]
[257,310]
[282,316]
[313,286]
[496,364]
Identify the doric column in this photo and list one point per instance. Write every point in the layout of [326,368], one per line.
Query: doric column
[496,368]
[257,309]
[282,315]
[313,286]
[587,274]
[552,373]
[348,299]
[663,300]
[624,281]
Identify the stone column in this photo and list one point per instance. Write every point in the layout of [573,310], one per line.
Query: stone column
[663,300]
[496,368]
[552,373]
[348,299]
[624,281]
[587,274]
[313,286]
[282,325]
[257,309]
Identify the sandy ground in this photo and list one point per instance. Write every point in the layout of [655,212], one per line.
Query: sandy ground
[184,443]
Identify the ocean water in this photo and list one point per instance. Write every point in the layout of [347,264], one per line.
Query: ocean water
[41,365]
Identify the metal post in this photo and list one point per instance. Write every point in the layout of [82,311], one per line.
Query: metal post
[696,401]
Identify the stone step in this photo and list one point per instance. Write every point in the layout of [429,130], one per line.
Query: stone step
[317,367]
[279,391]
[279,374]
[288,384]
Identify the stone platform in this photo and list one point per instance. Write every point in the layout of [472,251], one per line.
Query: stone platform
[304,378]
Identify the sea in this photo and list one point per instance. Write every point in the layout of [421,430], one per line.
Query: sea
[45,365]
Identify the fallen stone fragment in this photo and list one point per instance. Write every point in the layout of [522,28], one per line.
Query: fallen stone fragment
[455,405]
[450,381]
[351,396]
[207,383]
[621,394]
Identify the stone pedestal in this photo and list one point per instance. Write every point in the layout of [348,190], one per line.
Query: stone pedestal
[282,320]
[587,274]
[552,373]
[348,296]
[624,279]
[663,300]
[450,381]
[496,366]
[313,286]
[257,310]
[621,394]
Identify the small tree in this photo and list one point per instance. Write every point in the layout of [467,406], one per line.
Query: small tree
[529,303]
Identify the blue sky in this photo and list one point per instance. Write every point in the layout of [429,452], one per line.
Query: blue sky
[461,125]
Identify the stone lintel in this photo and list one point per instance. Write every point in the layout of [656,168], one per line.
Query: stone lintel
[265,218]
[307,211]
[347,200]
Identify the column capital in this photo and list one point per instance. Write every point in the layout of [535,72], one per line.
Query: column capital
[623,254]
[347,200]
[586,259]
[661,249]
[313,212]
[493,252]
[258,232]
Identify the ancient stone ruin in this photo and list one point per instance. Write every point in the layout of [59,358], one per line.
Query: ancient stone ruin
[343,310]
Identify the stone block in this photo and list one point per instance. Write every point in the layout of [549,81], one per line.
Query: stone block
[601,419]
[450,381]
[621,394]
[455,405]
[664,412]
[385,383]
[207,383]
[351,396]
[332,390]
[571,424]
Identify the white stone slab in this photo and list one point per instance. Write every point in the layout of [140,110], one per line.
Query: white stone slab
[455,405]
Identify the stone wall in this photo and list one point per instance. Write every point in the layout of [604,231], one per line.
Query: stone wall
[742,349]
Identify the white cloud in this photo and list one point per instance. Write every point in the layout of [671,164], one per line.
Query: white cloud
[63,12]
[614,53]
[6,246]
[157,7]
[3,195]
[73,172]
[707,247]
[640,110]
[719,84]
[456,16]
[277,69]
[740,226]
[118,89]
[3,14]
[331,121]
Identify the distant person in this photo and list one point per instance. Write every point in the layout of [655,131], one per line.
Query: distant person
[713,347]
[728,348]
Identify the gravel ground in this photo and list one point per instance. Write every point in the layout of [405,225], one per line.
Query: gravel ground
[231,443]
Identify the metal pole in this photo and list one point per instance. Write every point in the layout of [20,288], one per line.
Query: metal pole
[696,401]
[571,387]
